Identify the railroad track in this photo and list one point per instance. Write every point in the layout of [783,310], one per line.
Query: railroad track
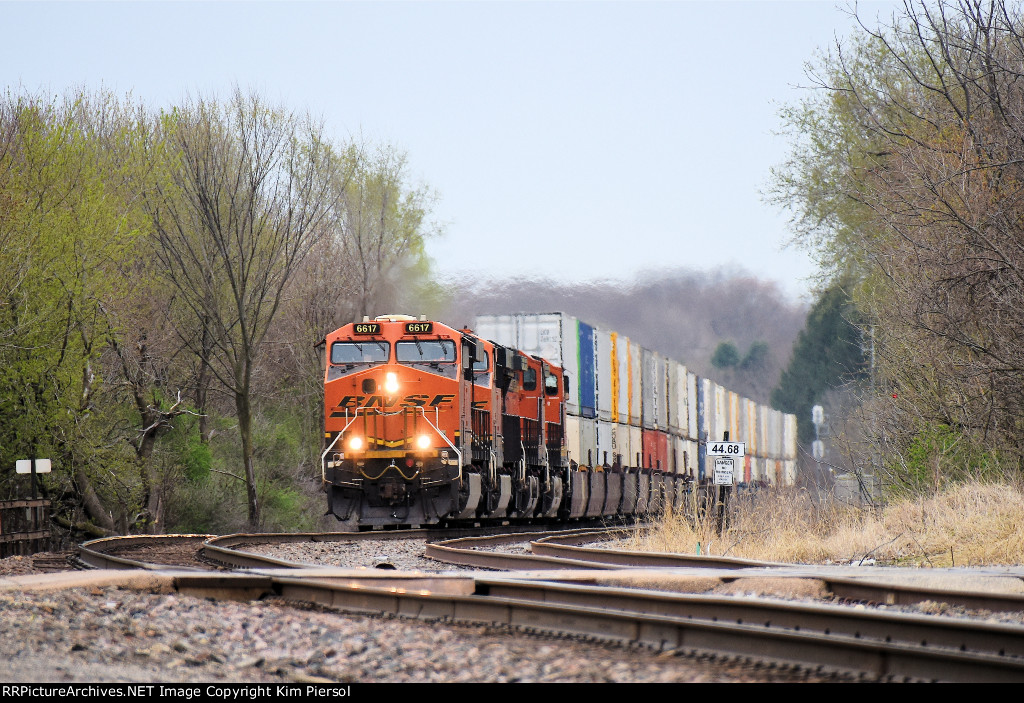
[151,552]
[875,643]
[562,551]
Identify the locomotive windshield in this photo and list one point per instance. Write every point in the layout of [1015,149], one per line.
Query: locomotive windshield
[434,355]
[368,352]
[481,371]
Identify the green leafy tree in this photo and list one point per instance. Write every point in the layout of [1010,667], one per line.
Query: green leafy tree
[63,186]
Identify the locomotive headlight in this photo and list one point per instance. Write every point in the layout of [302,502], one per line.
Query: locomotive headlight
[391,382]
[355,444]
[423,441]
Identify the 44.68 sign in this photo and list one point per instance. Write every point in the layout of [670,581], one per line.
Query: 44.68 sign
[727,448]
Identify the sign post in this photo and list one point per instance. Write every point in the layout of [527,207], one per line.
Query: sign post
[725,454]
[32,466]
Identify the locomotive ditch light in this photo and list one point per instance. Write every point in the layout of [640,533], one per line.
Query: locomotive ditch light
[355,444]
[423,441]
[391,382]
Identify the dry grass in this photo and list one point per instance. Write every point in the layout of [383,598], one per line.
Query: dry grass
[966,525]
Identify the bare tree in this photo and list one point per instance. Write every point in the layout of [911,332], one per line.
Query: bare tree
[240,206]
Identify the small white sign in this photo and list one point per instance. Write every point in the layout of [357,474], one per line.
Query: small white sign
[24,466]
[727,448]
[724,470]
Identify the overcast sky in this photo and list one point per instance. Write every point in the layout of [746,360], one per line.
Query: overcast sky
[579,140]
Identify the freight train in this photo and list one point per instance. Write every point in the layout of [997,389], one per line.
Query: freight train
[530,416]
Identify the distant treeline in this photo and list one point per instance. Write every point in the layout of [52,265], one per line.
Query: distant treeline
[684,314]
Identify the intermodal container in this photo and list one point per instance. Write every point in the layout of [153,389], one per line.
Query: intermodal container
[604,368]
[635,383]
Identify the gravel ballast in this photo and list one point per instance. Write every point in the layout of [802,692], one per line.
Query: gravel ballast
[112,634]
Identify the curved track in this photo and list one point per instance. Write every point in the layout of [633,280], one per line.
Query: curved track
[880,644]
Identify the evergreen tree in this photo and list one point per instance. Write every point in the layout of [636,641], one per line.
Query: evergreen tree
[827,354]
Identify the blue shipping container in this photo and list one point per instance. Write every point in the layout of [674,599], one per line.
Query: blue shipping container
[586,351]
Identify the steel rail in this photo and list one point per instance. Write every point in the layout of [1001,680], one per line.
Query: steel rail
[951,633]
[230,549]
[567,546]
[878,643]
[563,551]
[465,551]
[750,639]
[857,588]
[96,554]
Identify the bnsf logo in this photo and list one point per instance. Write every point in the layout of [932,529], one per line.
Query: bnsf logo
[380,401]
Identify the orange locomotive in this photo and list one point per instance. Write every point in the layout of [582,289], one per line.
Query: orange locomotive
[426,424]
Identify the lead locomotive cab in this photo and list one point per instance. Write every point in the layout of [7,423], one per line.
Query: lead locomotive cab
[397,398]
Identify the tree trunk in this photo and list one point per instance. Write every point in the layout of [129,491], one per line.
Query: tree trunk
[93,505]
[244,410]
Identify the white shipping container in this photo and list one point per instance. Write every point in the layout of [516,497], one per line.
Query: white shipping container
[636,446]
[708,421]
[649,389]
[589,455]
[750,426]
[734,416]
[721,414]
[661,399]
[572,438]
[762,430]
[789,437]
[678,452]
[635,385]
[603,373]
[789,472]
[605,454]
[682,400]
[671,397]
[774,434]
[691,407]
[691,458]
[551,336]
[628,384]
[621,444]
[743,432]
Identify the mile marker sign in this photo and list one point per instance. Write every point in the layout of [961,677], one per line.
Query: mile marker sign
[734,449]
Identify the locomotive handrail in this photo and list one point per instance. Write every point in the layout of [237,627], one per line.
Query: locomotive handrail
[323,457]
[444,437]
